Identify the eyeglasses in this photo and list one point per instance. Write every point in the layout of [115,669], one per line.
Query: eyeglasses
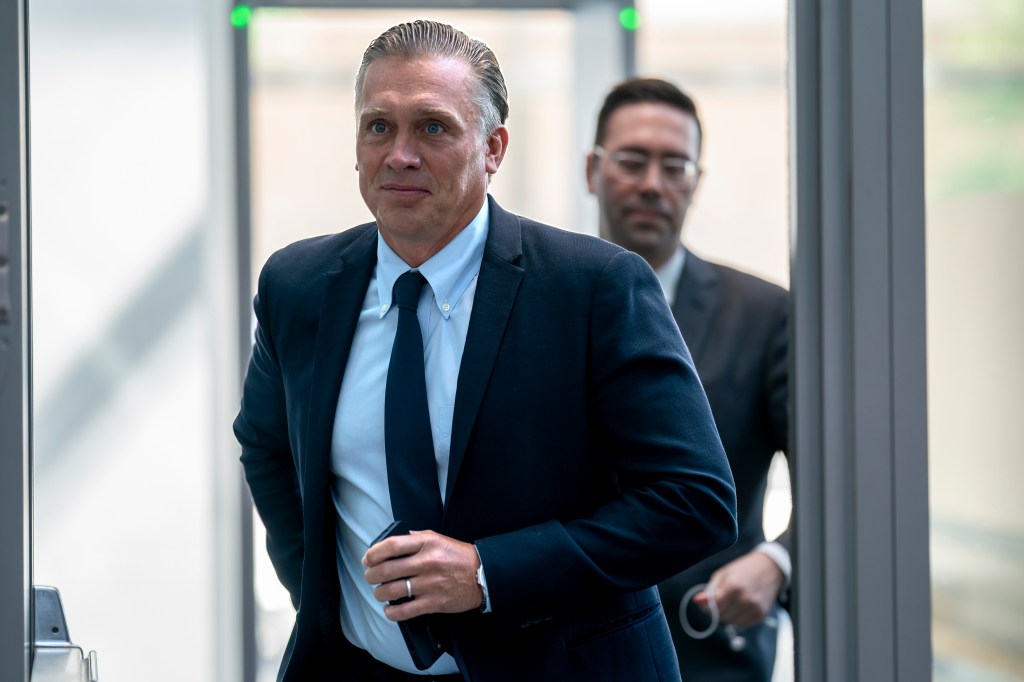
[630,166]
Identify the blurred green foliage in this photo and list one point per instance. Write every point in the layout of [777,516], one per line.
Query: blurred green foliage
[975,99]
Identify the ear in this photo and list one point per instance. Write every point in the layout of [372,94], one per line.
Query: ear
[497,145]
[696,183]
[591,171]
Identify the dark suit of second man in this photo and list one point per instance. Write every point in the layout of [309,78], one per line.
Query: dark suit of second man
[644,171]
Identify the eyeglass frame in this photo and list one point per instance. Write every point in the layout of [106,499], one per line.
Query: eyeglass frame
[690,169]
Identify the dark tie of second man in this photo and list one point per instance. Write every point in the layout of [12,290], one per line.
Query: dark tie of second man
[412,468]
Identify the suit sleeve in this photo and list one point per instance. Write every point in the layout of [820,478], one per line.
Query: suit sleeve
[262,430]
[651,424]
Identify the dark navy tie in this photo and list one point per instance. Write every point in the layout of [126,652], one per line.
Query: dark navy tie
[412,469]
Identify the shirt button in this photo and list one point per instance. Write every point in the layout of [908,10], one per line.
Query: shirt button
[445,307]
[383,309]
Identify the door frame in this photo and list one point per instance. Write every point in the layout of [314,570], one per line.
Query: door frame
[15,349]
[859,404]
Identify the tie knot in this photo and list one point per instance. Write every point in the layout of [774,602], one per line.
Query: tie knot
[407,290]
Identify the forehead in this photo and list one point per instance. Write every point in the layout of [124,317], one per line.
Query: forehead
[652,125]
[420,82]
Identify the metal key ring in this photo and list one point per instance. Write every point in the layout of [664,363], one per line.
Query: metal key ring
[712,608]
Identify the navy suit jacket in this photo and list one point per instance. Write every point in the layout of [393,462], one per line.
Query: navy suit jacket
[570,467]
[735,325]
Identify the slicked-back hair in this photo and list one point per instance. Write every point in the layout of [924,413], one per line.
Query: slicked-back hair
[423,38]
[639,90]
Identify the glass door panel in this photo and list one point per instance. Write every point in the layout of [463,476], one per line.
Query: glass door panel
[134,486]
[974,111]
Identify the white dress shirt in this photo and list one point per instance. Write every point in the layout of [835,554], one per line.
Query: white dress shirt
[358,459]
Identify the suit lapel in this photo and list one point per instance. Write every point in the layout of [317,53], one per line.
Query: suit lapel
[698,296]
[344,291]
[496,289]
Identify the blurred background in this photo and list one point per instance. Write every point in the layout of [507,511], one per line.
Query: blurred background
[140,516]
[974,169]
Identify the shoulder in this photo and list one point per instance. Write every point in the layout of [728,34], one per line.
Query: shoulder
[324,250]
[317,253]
[574,252]
[537,247]
[747,287]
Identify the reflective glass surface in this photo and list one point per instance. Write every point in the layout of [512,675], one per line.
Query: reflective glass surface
[130,410]
[974,151]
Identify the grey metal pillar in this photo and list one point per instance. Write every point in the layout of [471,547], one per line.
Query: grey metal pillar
[15,389]
[862,596]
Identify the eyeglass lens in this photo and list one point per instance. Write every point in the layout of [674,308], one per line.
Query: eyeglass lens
[677,172]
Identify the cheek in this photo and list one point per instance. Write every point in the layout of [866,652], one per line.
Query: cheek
[462,175]
[681,202]
[364,184]
[616,194]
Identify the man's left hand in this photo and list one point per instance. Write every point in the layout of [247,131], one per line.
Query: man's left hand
[441,571]
[745,589]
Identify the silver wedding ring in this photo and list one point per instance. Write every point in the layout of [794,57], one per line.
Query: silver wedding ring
[408,588]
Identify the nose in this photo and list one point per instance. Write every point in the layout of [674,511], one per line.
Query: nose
[403,153]
[651,181]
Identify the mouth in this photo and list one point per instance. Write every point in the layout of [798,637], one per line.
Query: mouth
[404,191]
[403,194]
[646,215]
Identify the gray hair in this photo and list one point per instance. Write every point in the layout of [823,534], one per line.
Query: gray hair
[430,38]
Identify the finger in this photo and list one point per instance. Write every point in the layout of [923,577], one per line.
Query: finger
[394,558]
[392,570]
[405,610]
[391,548]
[741,620]
[743,614]
[729,613]
[395,590]
[730,605]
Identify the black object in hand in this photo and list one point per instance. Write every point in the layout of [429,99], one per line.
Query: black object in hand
[419,632]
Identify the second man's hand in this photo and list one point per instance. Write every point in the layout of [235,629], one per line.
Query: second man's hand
[745,589]
[440,570]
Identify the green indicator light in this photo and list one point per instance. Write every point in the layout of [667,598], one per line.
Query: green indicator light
[629,18]
[240,16]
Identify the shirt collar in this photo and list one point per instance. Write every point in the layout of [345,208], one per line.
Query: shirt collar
[670,272]
[449,271]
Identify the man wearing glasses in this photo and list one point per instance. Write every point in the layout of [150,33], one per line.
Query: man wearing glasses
[644,170]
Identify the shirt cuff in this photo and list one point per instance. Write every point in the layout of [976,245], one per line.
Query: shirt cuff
[482,579]
[778,554]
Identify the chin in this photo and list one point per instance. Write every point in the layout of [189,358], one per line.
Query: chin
[646,235]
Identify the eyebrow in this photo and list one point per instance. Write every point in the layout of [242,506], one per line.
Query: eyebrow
[437,112]
[371,113]
[425,112]
[648,152]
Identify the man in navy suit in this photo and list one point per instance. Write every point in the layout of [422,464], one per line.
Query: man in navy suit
[644,171]
[577,462]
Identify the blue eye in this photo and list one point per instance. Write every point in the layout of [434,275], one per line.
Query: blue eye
[434,128]
[378,127]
